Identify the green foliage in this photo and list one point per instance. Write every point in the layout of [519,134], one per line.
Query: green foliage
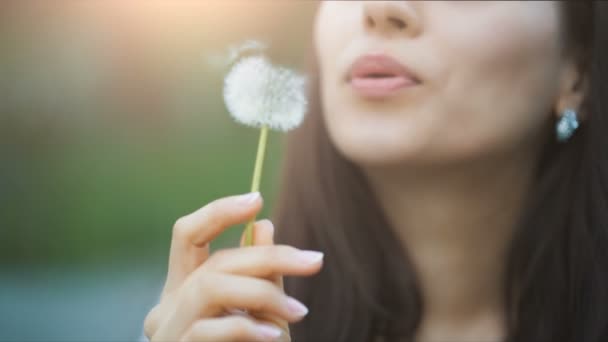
[106,139]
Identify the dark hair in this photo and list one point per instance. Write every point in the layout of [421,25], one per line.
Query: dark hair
[556,279]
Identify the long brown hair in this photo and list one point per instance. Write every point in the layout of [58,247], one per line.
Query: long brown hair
[556,276]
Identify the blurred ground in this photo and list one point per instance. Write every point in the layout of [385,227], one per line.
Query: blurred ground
[112,125]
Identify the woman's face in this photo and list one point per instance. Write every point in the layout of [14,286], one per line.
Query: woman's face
[488,77]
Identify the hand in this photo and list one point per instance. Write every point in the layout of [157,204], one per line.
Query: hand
[234,294]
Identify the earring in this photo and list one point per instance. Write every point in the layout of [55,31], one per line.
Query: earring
[566,125]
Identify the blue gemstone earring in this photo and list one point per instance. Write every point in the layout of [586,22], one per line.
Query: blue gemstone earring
[566,125]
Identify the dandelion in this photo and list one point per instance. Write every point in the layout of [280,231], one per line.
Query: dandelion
[264,96]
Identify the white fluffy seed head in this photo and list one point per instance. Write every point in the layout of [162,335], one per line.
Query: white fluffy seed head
[257,94]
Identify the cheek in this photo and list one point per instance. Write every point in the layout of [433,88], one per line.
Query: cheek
[491,82]
[500,83]
[336,24]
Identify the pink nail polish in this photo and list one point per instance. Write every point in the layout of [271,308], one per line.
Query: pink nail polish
[310,257]
[296,307]
[268,331]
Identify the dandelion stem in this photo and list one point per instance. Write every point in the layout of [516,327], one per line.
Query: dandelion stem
[257,176]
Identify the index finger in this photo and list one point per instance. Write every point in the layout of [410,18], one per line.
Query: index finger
[193,233]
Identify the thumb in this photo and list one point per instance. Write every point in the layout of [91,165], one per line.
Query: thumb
[263,234]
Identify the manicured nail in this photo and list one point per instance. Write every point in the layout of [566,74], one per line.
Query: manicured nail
[248,198]
[268,331]
[269,224]
[310,257]
[296,307]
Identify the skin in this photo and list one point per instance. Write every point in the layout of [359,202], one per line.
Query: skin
[449,160]
[205,295]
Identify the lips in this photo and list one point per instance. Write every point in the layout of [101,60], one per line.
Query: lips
[378,75]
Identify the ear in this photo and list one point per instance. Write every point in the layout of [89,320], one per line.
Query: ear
[573,85]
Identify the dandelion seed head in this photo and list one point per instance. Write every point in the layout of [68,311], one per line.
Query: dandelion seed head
[257,93]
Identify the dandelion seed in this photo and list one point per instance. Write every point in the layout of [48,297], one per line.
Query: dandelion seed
[249,46]
[264,96]
[226,57]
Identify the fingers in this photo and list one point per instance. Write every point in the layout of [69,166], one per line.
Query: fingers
[230,329]
[192,233]
[151,321]
[264,261]
[209,295]
[263,232]
[221,291]
[264,236]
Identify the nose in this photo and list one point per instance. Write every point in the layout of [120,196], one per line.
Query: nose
[390,17]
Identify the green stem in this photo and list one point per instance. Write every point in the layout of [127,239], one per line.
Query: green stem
[257,176]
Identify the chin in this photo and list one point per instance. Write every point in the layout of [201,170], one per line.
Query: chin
[379,135]
[373,148]
[369,148]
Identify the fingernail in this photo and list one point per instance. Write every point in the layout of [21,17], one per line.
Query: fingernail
[268,331]
[296,307]
[248,198]
[310,257]
[271,226]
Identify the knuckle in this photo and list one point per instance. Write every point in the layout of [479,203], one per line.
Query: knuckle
[195,289]
[220,254]
[180,227]
[196,332]
[203,284]
[208,215]
[241,327]
[199,327]
[217,257]
[266,295]
[279,252]
[271,253]
[151,321]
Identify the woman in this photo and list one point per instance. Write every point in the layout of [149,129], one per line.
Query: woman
[453,171]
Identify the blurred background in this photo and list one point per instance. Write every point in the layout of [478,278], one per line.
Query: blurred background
[113,125]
